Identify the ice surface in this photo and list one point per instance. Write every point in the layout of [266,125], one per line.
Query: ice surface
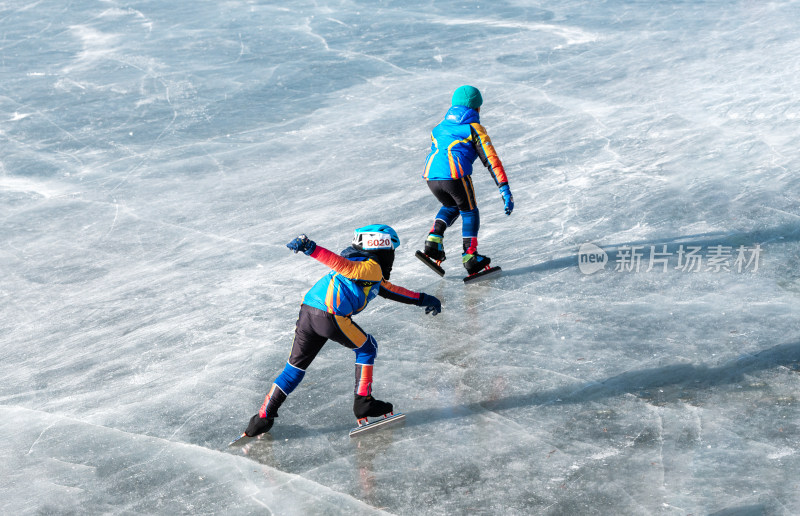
[156,157]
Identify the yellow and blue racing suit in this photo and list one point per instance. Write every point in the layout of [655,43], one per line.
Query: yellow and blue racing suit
[355,279]
[455,143]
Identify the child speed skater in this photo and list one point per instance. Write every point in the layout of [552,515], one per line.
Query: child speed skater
[359,274]
[456,142]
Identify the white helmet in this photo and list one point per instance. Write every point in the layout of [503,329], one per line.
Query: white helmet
[375,237]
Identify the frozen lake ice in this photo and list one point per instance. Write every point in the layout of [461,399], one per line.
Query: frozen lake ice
[157,156]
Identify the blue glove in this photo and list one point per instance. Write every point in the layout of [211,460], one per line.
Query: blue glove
[302,243]
[508,199]
[432,304]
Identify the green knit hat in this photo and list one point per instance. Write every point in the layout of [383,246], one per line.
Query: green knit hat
[467,96]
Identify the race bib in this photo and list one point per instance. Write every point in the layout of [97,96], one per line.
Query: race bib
[372,241]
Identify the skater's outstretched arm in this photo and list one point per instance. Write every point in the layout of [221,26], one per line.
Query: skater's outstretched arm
[488,156]
[399,294]
[368,270]
[409,297]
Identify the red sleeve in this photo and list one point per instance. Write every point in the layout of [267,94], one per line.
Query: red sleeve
[368,270]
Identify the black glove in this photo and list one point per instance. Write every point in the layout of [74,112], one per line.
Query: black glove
[432,305]
[258,425]
[302,243]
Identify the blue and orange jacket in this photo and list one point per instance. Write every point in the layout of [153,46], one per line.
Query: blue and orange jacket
[456,142]
[355,280]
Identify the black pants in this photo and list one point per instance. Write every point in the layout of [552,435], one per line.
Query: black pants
[455,193]
[315,327]
[458,198]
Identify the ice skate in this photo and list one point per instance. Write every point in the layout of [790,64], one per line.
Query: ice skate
[367,406]
[433,256]
[475,262]
[434,266]
[434,248]
[477,266]
[259,425]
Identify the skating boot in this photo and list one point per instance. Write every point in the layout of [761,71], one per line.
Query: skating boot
[475,262]
[433,256]
[367,406]
[434,249]
[258,425]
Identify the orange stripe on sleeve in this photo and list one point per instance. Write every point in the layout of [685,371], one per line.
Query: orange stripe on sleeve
[368,270]
[495,165]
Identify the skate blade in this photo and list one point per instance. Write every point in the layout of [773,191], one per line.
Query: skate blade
[243,436]
[485,273]
[434,265]
[384,421]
